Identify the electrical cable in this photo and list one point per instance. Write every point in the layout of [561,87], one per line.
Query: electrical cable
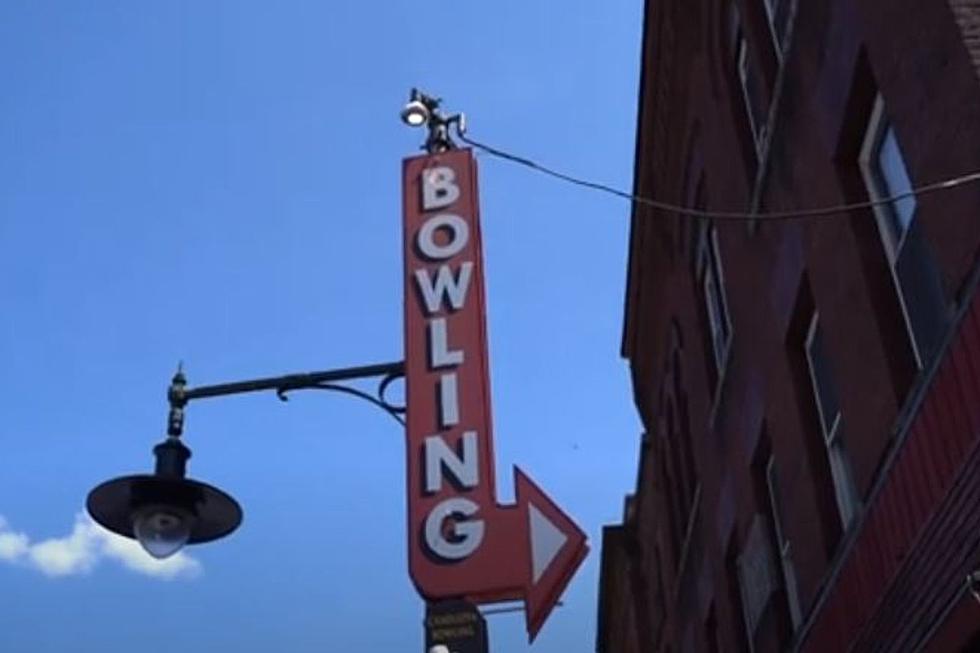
[736,216]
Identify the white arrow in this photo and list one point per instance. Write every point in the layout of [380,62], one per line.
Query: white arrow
[546,542]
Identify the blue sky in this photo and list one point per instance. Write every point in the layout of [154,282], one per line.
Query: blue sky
[219,183]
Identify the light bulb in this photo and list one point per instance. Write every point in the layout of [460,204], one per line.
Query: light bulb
[415,114]
[162,531]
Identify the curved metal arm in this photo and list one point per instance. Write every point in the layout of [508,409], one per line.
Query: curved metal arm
[383,387]
[178,394]
[380,400]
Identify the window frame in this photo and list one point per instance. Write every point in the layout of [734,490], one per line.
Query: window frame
[710,272]
[756,548]
[878,124]
[885,214]
[743,60]
[841,475]
[829,430]
[784,549]
[774,507]
[743,66]
[738,620]
[772,9]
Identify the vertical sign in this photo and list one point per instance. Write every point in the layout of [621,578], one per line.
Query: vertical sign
[462,543]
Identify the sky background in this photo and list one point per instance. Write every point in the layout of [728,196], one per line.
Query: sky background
[219,183]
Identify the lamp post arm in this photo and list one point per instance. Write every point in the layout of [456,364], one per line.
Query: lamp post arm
[179,394]
[290,382]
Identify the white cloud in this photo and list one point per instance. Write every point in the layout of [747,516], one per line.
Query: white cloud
[81,550]
[65,556]
[133,557]
[12,545]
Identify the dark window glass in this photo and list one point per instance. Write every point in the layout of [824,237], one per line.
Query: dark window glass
[914,270]
[922,291]
[778,14]
[822,380]
[711,278]
[894,178]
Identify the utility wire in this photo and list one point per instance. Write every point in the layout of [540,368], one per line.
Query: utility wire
[735,216]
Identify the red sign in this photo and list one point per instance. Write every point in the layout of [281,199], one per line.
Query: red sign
[462,543]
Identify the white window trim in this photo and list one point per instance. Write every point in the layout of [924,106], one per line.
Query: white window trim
[777,521]
[829,429]
[840,472]
[709,263]
[711,289]
[867,160]
[771,19]
[843,483]
[718,270]
[791,588]
[785,550]
[790,13]
[742,53]
[883,216]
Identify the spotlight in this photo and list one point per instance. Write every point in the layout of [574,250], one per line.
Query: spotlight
[415,113]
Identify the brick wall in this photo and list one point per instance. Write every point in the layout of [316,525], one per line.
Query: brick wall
[967,15]
[923,59]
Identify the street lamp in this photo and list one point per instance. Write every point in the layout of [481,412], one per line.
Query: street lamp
[423,110]
[165,510]
[415,113]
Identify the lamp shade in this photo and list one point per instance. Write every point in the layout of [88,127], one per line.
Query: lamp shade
[116,504]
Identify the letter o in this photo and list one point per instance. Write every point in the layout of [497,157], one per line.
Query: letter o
[460,235]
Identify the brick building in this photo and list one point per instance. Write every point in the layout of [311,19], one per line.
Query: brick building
[809,478]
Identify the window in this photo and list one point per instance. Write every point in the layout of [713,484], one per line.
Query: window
[737,607]
[756,575]
[783,548]
[886,175]
[777,11]
[694,193]
[754,91]
[769,574]
[799,354]
[711,283]
[912,266]
[828,409]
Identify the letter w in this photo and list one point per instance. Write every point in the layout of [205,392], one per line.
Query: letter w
[444,286]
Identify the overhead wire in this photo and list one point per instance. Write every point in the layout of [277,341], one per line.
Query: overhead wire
[736,216]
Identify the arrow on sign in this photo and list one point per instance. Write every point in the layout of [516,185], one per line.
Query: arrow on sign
[462,543]
[556,548]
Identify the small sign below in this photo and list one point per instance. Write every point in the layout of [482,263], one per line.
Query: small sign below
[456,625]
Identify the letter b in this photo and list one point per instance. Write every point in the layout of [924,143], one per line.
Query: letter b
[439,188]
